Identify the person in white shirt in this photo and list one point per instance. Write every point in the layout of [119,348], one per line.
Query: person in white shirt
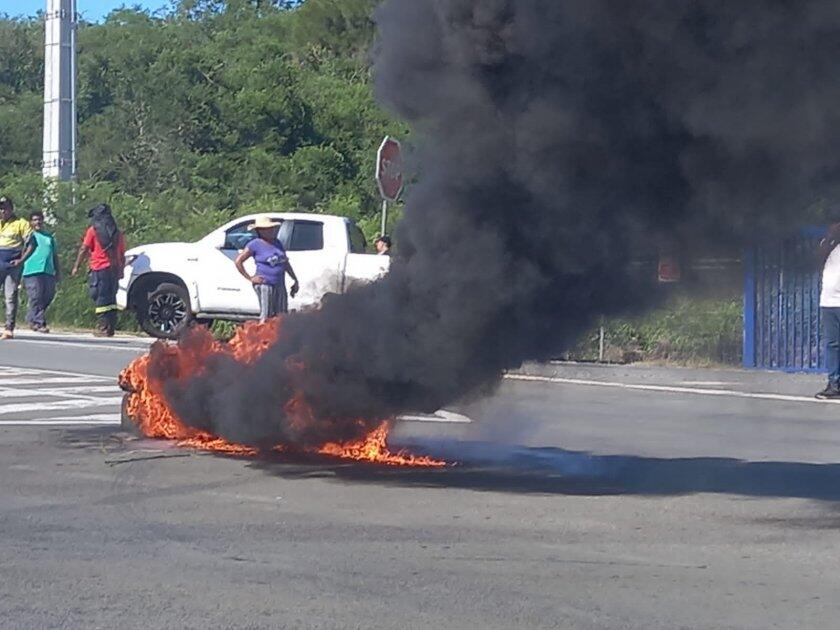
[829,254]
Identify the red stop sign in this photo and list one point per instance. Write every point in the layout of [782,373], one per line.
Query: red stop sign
[669,268]
[389,169]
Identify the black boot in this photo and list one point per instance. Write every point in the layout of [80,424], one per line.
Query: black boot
[110,323]
[103,327]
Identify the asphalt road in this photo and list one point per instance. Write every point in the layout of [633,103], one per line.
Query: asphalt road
[585,497]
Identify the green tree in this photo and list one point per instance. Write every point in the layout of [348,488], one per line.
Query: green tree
[212,109]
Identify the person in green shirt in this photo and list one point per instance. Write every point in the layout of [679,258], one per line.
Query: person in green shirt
[40,273]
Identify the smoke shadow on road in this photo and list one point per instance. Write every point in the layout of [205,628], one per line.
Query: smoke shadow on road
[492,467]
[498,468]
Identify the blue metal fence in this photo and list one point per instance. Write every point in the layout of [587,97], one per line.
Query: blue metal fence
[781,306]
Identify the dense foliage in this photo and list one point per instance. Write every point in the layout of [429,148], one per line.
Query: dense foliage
[218,108]
[212,109]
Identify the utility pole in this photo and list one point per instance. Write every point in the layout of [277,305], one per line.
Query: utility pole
[60,91]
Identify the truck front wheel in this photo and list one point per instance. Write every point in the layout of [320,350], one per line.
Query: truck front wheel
[165,313]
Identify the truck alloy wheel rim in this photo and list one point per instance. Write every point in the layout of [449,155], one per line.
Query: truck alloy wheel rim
[167,312]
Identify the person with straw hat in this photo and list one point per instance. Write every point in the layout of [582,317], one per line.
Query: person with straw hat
[272,266]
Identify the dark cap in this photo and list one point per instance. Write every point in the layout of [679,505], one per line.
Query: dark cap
[5,200]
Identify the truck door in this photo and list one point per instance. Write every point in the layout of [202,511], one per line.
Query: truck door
[361,267]
[316,261]
[221,288]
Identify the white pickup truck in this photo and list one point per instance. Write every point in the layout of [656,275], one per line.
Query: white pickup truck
[169,285]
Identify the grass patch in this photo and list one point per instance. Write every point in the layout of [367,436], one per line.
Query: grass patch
[690,331]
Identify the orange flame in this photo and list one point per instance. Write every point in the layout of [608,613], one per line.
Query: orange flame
[374,448]
[148,407]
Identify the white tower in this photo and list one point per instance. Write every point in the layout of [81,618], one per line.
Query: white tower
[60,90]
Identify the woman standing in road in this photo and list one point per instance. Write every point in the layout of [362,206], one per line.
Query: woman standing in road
[272,266]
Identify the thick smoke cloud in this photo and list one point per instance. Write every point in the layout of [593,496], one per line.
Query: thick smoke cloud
[556,140]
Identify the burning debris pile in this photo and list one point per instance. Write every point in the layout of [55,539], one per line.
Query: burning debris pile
[553,141]
[145,380]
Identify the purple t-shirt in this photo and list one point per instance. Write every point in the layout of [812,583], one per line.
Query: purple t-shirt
[271,260]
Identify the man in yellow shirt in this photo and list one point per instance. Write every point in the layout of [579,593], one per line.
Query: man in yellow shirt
[15,247]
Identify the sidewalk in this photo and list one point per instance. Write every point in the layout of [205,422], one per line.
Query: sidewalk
[704,380]
[128,341]
[680,379]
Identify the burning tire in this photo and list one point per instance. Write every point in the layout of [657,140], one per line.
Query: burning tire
[126,423]
[165,313]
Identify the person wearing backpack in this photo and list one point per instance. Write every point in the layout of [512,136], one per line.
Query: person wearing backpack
[104,245]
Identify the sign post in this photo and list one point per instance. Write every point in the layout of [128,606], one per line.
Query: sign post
[389,175]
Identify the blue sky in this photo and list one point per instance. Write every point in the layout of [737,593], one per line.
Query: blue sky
[91,10]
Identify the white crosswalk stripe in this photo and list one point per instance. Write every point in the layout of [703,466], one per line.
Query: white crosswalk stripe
[49,380]
[59,405]
[69,392]
[33,397]
[94,420]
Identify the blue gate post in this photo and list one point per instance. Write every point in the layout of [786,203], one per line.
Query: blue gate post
[816,233]
[781,305]
[749,308]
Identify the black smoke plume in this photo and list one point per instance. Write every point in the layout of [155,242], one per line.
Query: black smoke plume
[556,141]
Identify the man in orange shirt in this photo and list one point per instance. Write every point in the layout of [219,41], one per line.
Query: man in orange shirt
[104,243]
